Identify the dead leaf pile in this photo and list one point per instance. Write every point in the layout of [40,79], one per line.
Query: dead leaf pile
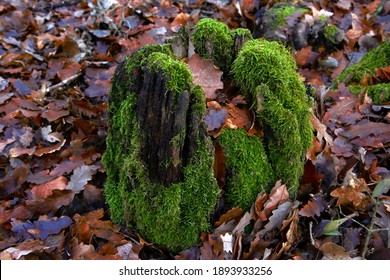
[56,63]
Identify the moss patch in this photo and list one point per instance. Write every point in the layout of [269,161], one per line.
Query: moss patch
[268,75]
[376,58]
[330,32]
[180,77]
[380,93]
[277,16]
[213,40]
[248,168]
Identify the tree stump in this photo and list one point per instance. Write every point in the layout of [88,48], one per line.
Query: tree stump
[160,159]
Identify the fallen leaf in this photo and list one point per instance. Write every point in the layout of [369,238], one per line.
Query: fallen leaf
[13,181]
[233,214]
[126,252]
[350,194]
[46,189]
[26,248]
[260,200]
[214,119]
[80,177]
[277,196]
[381,188]
[333,251]
[48,150]
[302,56]
[277,217]
[313,208]
[51,203]
[190,254]
[47,135]
[227,240]
[40,229]
[206,74]
[244,221]
[321,129]
[240,118]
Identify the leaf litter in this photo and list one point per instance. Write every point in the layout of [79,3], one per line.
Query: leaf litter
[53,114]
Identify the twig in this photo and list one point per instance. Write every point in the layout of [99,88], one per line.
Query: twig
[313,242]
[370,230]
[63,83]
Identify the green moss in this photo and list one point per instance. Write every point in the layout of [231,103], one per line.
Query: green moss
[282,11]
[171,216]
[198,97]
[376,58]
[286,146]
[174,216]
[242,32]
[354,75]
[380,93]
[268,76]
[213,40]
[180,77]
[248,168]
[122,81]
[330,31]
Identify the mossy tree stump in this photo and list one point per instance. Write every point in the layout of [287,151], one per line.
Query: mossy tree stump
[159,158]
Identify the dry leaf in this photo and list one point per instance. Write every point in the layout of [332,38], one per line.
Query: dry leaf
[80,177]
[206,74]
[333,251]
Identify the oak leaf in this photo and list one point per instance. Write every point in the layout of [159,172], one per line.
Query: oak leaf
[206,74]
[240,118]
[313,208]
[80,177]
[46,189]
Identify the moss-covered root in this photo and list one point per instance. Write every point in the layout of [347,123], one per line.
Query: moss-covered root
[248,168]
[168,214]
[268,75]
[213,40]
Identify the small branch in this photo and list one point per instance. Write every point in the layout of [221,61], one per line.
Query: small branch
[63,83]
[370,230]
[313,242]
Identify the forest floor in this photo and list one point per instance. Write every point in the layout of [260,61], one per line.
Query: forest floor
[57,59]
